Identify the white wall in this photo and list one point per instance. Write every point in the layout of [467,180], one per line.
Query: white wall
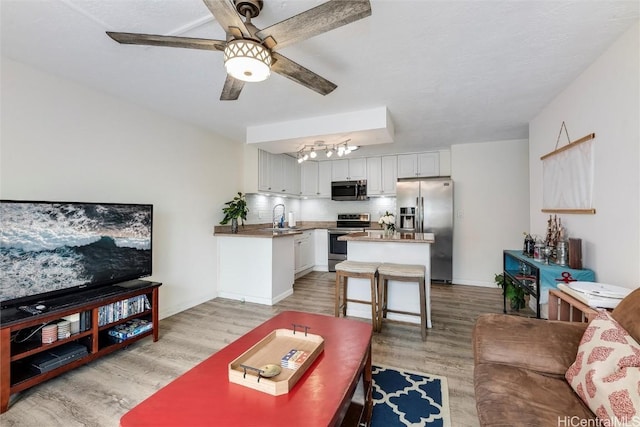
[261,208]
[328,210]
[61,141]
[491,207]
[605,99]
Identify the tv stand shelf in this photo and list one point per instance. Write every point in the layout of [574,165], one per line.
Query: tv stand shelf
[16,372]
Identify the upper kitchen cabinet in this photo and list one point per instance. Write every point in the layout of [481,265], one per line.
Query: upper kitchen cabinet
[374,176]
[324,179]
[382,175]
[389,175]
[418,165]
[315,179]
[278,173]
[264,171]
[291,175]
[349,169]
[309,179]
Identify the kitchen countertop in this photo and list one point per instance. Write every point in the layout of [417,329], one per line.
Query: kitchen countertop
[262,230]
[397,237]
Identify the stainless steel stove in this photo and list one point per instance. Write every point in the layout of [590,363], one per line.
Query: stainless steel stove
[346,223]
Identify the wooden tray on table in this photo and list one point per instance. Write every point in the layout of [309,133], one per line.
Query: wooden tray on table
[246,369]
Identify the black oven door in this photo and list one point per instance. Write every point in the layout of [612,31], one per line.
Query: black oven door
[337,249]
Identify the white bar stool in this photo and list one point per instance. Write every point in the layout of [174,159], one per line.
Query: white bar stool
[401,273]
[366,270]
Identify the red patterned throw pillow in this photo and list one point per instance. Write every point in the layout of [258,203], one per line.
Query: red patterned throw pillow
[606,372]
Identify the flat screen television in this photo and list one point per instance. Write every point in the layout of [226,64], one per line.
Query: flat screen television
[52,248]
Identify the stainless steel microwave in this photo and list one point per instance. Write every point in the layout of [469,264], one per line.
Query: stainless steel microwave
[349,190]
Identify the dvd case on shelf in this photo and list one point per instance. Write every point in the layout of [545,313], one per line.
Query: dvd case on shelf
[130,329]
[122,309]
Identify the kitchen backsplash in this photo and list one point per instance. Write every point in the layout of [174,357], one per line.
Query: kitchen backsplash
[261,208]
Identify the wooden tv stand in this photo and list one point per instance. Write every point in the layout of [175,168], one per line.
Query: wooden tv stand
[16,352]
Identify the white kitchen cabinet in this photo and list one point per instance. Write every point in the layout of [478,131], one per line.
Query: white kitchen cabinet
[340,170]
[321,249]
[271,275]
[264,169]
[278,173]
[357,169]
[309,179]
[291,175]
[428,164]
[389,175]
[324,179]
[315,179]
[374,176]
[303,253]
[407,165]
[349,169]
[382,175]
[418,165]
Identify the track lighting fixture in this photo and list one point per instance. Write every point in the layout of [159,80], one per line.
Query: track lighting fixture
[311,151]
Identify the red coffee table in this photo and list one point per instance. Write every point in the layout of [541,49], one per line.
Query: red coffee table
[204,396]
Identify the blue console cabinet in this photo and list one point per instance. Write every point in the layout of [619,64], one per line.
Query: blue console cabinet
[536,277]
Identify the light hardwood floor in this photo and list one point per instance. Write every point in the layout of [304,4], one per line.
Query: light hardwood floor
[98,394]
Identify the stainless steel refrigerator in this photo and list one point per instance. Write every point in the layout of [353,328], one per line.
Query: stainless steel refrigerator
[425,205]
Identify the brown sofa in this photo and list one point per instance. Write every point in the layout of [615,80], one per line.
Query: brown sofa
[520,365]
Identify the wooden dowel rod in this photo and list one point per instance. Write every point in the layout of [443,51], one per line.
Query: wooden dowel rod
[570,145]
[570,211]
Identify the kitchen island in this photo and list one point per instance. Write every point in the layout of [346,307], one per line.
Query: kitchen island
[402,248]
[256,265]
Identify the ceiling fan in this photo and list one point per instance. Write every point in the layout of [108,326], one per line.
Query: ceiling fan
[250,54]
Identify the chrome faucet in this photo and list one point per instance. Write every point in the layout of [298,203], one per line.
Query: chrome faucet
[278,222]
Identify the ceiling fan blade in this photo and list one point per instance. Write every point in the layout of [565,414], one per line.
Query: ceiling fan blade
[320,19]
[231,90]
[296,72]
[168,41]
[226,15]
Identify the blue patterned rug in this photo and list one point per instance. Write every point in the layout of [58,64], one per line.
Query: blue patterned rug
[403,398]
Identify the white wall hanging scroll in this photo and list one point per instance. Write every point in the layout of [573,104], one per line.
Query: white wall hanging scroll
[567,176]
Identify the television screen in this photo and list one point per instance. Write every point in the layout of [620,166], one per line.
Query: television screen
[47,248]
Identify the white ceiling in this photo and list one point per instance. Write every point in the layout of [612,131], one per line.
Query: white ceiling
[448,71]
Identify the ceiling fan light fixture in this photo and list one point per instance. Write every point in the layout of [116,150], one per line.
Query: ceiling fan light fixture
[247,60]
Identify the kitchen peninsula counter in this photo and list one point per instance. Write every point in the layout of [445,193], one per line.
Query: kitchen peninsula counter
[262,230]
[257,264]
[380,236]
[261,233]
[401,248]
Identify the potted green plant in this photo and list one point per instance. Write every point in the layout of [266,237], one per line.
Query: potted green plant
[514,294]
[235,209]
